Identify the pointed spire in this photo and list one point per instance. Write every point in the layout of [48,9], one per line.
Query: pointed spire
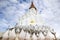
[32,6]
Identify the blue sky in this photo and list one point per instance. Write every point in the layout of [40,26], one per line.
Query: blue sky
[12,10]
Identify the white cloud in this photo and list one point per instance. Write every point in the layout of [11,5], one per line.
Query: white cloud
[3,25]
[13,1]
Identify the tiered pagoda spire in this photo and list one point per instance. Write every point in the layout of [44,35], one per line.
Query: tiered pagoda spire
[32,6]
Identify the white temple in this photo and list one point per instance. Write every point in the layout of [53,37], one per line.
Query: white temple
[31,26]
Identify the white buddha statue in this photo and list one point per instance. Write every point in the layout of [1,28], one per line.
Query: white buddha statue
[32,17]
